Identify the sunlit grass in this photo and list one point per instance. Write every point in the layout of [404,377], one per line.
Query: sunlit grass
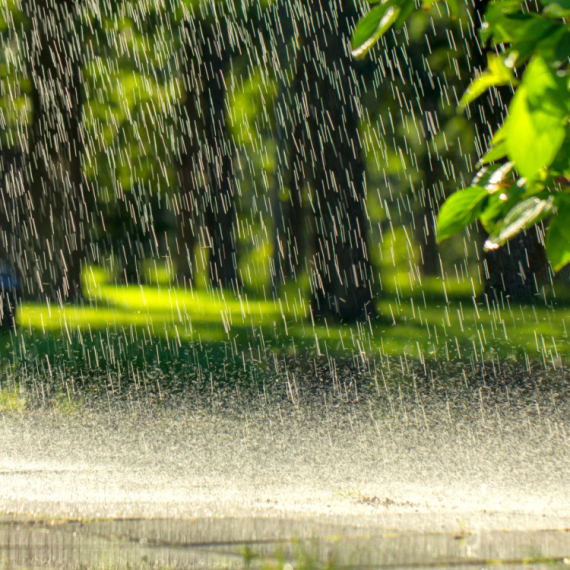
[67,404]
[294,555]
[434,324]
[12,399]
[421,318]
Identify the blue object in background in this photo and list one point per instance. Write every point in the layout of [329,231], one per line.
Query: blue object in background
[10,288]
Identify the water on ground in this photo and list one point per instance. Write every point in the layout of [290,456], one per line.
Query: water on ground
[441,471]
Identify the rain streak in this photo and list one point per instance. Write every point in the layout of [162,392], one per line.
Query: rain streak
[222,287]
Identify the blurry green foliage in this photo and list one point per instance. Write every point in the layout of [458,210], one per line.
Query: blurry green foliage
[133,88]
[163,327]
[134,85]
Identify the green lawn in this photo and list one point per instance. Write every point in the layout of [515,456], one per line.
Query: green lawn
[419,323]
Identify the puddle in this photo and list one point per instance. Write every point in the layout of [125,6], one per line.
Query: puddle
[264,543]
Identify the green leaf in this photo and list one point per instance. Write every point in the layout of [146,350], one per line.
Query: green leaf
[459,210]
[522,216]
[499,8]
[497,207]
[563,48]
[561,164]
[494,178]
[497,152]
[547,91]
[499,136]
[497,73]
[562,3]
[509,27]
[495,12]
[373,26]
[407,8]
[554,48]
[558,239]
[537,115]
[556,8]
[522,30]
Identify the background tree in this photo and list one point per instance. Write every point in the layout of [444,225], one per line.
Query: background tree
[179,146]
[326,150]
[290,233]
[517,270]
[133,91]
[56,193]
[14,112]
[206,162]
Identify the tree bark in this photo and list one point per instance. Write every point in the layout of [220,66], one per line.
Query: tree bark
[516,270]
[219,196]
[12,262]
[327,144]
[186,201]
[289,232]
[56,191]
[206,163]
[12,190]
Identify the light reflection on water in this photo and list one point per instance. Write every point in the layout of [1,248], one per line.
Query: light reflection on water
[262,542]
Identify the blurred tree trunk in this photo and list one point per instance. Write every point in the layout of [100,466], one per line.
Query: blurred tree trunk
[518,269]
[426,229]
[12,190]
[206,163]
[186,205]
[57,204]
[289,233]
[327,144]
[432,177]
[11,260]
[219,198]
[135,229]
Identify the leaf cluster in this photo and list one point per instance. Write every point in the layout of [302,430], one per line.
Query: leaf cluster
[525,175]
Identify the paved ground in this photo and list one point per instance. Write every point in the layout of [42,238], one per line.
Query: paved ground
[266,543]
[186,459]
[443,467]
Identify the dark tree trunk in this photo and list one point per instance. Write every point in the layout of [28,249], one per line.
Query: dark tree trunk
[426,229]
[206,169]
[56,190]
[219,196]
[432,179]
[329,148]
[12,190]
[136,228]
[517,269]
[186,202]
[12,262]
[186,212]
[289,232]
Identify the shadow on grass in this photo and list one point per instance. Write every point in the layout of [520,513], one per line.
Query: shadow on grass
[136,334]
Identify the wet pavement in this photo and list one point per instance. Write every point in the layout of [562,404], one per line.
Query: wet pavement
[266,542]
[364,485]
